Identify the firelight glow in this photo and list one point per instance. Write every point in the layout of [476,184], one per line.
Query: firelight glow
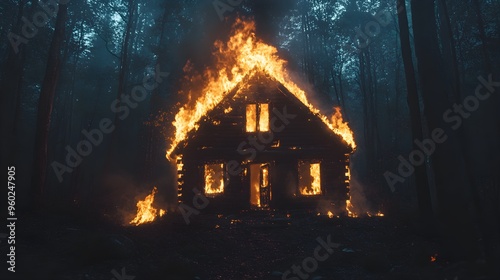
[242,56]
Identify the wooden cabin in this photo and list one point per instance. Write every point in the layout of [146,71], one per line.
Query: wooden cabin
[262,148]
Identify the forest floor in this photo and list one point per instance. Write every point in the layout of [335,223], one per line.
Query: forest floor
[247,245]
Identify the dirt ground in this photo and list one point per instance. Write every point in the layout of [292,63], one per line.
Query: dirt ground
[247,245]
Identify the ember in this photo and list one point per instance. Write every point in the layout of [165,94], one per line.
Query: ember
[330,215]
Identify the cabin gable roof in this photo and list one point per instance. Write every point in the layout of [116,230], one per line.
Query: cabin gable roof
[224,125]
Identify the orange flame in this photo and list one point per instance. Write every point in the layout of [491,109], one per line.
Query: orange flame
[350,209]
[251,117]
[342,128]
[312,186]
[146,213]
[264,117]
[378,214]
[242,56]
[214,179]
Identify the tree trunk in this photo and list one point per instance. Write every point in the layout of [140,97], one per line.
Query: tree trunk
[421,176]
[10,99]
[450,52]
[482,36]
[112,153]
[124,58]
[153,139]
[454,207]
[45,104]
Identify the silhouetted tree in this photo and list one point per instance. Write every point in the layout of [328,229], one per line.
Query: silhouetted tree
[45,105]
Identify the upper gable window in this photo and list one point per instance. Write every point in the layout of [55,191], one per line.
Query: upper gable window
[264,117]
[257,117]
[251,117]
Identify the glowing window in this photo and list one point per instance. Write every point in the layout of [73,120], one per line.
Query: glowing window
[251,117]
[309,178]
[264,117]
[214,179]
[257,117]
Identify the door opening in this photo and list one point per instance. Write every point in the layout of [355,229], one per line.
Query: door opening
[260,189]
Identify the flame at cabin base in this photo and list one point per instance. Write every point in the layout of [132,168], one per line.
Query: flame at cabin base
[378,214]
[348,205]
[350,209]
[351,212]
[328,214]
[242,56]
[146,213]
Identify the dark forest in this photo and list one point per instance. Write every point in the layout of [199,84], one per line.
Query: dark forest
[250,139]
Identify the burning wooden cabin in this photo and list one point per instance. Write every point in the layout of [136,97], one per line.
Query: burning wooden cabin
[254,141]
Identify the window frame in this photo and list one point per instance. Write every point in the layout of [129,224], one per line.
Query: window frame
[310,164]
[223,169]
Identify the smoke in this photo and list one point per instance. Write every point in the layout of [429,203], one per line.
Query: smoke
[321,101]
[119,193]
[358,198]
[324,206]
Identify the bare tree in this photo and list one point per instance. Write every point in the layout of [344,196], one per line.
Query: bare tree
[45,105]
[454,208]
[421,176]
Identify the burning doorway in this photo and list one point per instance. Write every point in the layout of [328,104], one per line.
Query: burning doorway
[260,188]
